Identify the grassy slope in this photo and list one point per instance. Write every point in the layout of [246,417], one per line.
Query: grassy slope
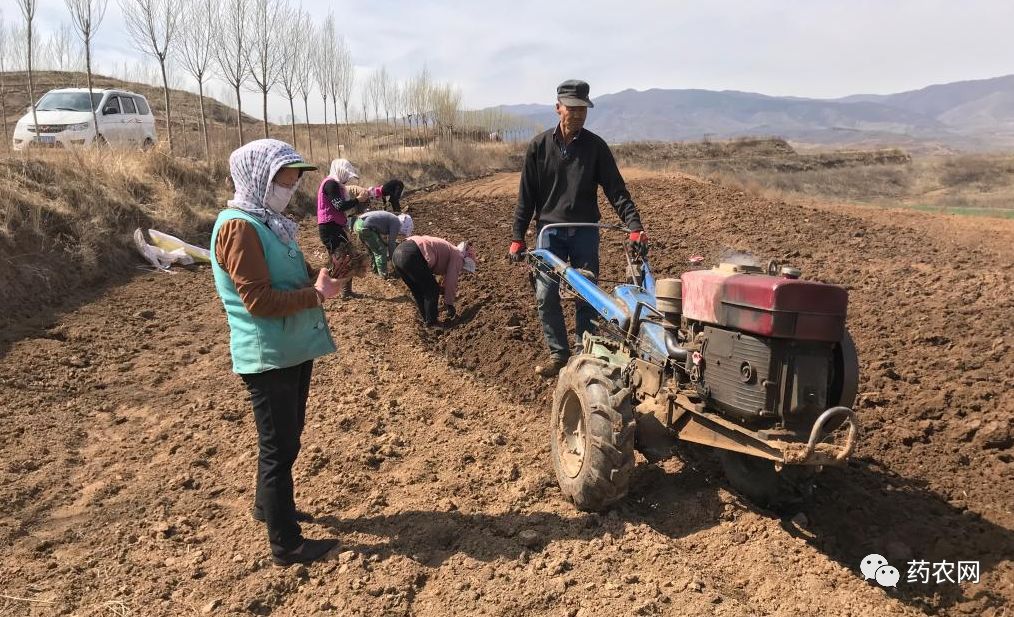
[66,218]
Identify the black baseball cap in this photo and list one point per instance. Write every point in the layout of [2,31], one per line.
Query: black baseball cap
[574,93]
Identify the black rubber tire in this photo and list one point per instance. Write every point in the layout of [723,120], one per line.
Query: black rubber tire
[845,377]
[756,479]
[147,145]
[588,390]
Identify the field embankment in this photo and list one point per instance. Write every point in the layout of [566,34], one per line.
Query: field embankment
[949,183]
[67,217]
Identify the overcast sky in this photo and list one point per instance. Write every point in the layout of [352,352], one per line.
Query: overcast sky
[516,51]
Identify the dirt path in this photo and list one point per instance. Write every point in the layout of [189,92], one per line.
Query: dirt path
[129,453]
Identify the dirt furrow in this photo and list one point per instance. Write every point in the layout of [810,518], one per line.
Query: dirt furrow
[130,451]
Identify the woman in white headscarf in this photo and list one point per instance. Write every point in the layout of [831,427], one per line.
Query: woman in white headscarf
[337,202]
[276,324]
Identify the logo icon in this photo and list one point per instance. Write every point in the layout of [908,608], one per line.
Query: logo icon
[887,576]
[871,563]
[875,567]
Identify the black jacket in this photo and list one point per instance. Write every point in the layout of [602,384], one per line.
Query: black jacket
[560,184]
[333,192]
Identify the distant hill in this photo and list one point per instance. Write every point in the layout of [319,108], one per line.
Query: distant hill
[968,115]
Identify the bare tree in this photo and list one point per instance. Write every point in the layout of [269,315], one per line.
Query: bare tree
[322,68]
[60,46]
[364,98]
[304,71]
[418,97]
[402,102]
[28,8]
[332,47]
[445,101]
[154,25]
[6,45]
[18,42]
[388,94]
[293,51]
[86,15]
[231,52]
[43,60]
[343,79]
[200,25]
[375,90]
[264,54]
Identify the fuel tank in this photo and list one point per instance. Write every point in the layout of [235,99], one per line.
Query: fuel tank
[746,299]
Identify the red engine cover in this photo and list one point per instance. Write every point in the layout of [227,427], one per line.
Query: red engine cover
[765,305]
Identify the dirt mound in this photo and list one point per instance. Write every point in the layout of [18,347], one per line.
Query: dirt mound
[68,218]
[129,450]
[931,319]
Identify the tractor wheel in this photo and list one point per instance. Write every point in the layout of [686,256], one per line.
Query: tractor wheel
[758,480]
[592,433]
[845,375]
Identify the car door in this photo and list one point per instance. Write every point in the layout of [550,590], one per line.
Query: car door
[110,121]
[132,130]
[147,120]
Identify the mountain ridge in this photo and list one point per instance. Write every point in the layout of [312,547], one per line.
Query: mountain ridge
[971,114]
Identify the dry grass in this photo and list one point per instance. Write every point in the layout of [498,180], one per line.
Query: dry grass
[977,185]
[67,216]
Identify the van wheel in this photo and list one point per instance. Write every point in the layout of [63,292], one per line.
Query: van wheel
[148,144]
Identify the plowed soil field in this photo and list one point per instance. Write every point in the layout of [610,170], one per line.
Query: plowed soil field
[129,451]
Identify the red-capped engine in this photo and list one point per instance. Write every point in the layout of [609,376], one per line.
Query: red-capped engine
[766,348]
[741,298]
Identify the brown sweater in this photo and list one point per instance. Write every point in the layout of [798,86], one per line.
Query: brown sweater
[239,252]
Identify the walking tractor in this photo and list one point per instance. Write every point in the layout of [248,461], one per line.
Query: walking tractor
[752,361]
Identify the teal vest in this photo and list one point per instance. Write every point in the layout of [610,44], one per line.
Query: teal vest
[260,344]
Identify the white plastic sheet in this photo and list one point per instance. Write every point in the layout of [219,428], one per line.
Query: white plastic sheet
[168,250]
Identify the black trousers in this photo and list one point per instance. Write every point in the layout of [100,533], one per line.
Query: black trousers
[279,406]
[411,267]
[333,235]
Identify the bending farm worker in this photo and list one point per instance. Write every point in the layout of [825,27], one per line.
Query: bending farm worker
[420,259]
[563,169]
[336,204]
[277,327]
[375,225]
[389,191]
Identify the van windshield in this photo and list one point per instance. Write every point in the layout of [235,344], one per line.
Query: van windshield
[68,101]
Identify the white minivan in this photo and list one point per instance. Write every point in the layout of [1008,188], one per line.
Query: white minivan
[65,119]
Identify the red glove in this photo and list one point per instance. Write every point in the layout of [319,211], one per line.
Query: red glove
[638,236]
[516,252]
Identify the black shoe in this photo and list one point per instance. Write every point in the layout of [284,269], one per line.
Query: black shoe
[308,551]
[301,517]
[553,368]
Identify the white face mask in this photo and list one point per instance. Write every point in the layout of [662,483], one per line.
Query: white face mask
[278,197]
